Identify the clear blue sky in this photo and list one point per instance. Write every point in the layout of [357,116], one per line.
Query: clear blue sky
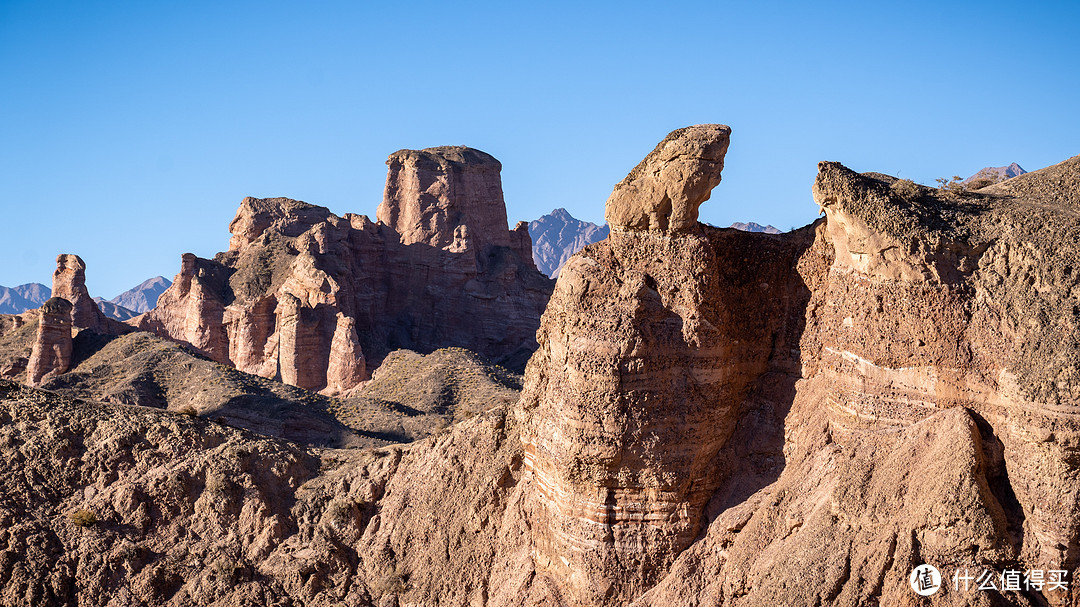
[130,131]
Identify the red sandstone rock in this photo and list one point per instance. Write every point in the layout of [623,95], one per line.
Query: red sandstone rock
[664,190]
[317,300]
[69,282]
[435,196]
[51,355]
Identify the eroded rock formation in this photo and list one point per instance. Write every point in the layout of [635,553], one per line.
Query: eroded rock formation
[442,196]
[664,190]
[318,300]
[803,418]
[69,282]
[51,355]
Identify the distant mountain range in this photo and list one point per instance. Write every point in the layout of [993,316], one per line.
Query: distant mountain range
[14,300]
[143,297]
[997,174]
[130,303]
[755,227]
[557,236]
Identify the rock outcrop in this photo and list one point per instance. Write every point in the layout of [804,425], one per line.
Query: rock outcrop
[445,196]
[664,190]
[51,355]
[557,236]
[318,300]
[731,418]
[69,282]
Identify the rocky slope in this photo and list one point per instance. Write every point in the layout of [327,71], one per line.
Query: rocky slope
[557,236]
[114,311]
[318,300]
[713,417]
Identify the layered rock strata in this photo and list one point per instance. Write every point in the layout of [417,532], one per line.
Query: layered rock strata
[69,282]
[736,417]
[318,300]
[51,355]
[443,196]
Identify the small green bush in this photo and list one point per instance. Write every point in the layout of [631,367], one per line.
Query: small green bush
[83,518]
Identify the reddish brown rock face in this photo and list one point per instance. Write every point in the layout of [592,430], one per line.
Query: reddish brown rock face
[664,190]
[69,282]
[647,351]
[51,355]
[444,197]
[318,300]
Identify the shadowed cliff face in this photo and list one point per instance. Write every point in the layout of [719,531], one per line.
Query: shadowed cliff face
[318,300]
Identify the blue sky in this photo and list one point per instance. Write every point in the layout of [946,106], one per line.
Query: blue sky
[130,131]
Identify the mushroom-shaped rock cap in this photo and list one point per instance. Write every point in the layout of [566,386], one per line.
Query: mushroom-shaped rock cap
[57,305]
[664,190]
[67,261]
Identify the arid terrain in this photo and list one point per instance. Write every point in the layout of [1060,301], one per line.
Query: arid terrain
[400,412]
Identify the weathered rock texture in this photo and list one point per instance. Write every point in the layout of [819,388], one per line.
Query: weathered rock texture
[732,418]
[51,355]
[664,190]
[557,236]
[69,282]
[445,196]
[318,300]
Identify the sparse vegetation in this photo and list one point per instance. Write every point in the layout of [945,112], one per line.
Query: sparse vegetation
[83,517]
[951,188]
[905,188]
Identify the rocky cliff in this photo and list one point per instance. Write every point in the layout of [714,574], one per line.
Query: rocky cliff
[713,417]
[557,236]
[318,300]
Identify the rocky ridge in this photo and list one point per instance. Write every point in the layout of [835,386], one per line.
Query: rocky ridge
[143,296]
[755,227]
[996,174]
